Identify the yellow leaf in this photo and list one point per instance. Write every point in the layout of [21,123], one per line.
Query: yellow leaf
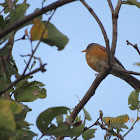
[37,30]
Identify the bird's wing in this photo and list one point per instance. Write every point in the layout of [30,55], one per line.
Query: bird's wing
[103,48]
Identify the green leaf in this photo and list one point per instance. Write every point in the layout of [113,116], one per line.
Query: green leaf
[7,67]
[27,135]
[19,11]
[23,135]
[45,118]
[2,23]
[30,91]
[77,119]
[133,101]
[65,130]
[20,118]
[88,134]
[87,115]
[5,5]
[7,110]
[59,119]
[15,108]
[132,2]
[55,37]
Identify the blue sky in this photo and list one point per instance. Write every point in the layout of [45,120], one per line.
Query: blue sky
[69,75]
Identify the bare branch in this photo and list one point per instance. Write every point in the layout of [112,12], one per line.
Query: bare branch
[130,128]
[126,71]
[135,46]
[117,9]
[115,30]
[111,6]
[133,124]
[21,22]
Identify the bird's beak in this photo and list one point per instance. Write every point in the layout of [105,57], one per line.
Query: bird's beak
[84,50]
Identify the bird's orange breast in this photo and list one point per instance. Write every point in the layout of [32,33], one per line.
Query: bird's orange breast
[96,58]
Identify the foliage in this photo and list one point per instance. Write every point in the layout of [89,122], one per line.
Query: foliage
[15,91]
[13,112]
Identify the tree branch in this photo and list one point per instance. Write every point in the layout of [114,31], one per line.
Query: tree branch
[90,92]
[23,77]
[127,71]
[105,71]
[111,6]
[134,46]
[21,22]
[130,128]
[117,9]
[115,30]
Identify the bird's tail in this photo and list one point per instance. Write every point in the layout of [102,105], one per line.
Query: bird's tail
[135,83]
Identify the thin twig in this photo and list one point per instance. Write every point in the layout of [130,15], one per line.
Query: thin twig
[96,122]
[130,128]
[38,58]
[3,9]
[117,9]
[33,52]
[22,38]
[111,6]
[133,124]
[134,46]
[102,29]
[126,71]
[23,77]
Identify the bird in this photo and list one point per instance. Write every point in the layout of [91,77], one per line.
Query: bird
[96,57]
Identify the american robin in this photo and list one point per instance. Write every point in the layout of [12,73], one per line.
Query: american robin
[96,58]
